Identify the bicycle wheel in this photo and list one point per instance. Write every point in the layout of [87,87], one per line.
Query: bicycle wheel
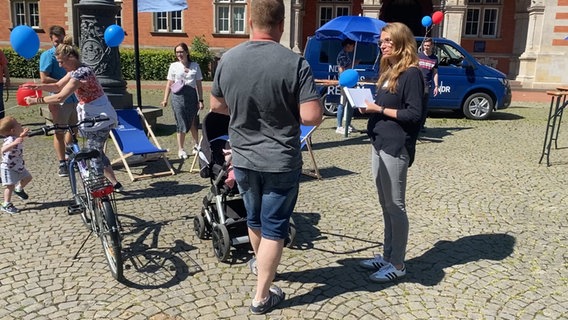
[110,237]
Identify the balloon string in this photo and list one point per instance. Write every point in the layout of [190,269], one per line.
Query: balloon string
[37,92]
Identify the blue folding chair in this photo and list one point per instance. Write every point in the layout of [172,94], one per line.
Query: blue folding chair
[131,140]
[306,141]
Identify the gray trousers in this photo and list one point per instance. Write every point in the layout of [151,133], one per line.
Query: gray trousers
[390,178]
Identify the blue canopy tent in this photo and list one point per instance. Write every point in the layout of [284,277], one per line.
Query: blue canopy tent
[149,6]
[357,28]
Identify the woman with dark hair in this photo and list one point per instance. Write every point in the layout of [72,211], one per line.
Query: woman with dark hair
[393,127]
[184,82]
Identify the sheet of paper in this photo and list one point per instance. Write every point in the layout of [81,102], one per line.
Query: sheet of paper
[357,96]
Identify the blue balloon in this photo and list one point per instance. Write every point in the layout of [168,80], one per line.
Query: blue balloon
[348,78]
[426,21]
[114,35]
[24,41]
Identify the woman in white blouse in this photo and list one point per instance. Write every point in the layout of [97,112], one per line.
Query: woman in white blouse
[188,100]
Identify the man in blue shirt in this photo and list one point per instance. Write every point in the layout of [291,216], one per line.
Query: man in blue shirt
[50,72]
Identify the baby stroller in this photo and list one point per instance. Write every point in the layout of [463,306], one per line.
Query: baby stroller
[223,216]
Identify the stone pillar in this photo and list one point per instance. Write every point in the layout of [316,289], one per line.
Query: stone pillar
[528,59]
[519,44]
[453,20]
[286,39]
[371,8]
[95,17]
[297,25]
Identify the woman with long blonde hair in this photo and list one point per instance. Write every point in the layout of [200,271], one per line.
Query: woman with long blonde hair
[393,128]
[82,81]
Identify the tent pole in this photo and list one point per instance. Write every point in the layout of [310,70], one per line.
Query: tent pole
[136,53]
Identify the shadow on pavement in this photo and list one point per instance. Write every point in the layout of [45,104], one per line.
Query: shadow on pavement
[159,189]
[355,139]
[33,205]
[504,116]
[328,173]
[427,269]
[438,134]
[307,234]
[146,264]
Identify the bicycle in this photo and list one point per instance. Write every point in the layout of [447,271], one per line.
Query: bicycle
[95,200]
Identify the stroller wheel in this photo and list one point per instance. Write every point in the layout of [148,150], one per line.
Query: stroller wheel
[221,242]
[199,226]
[289,242]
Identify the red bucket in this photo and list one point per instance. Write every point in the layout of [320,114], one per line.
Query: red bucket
[23,92]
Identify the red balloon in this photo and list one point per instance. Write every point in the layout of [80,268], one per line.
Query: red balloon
[437,17]
[24,92]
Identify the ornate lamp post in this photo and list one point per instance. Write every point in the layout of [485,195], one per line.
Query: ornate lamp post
[95,17]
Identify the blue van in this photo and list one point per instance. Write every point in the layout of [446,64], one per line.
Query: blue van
[465,85]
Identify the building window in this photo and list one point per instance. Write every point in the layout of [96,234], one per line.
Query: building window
[230,16]
[482,18]
[118,17]
[168,21]
[329,9]
[25,12]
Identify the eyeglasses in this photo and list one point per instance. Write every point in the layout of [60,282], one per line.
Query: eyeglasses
[386,41]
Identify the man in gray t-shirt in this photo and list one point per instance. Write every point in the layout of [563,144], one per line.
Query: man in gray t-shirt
[268,91]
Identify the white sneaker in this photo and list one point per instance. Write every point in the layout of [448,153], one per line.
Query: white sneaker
[195,150]
[182,154]
[375,263]
[340,130]
[388,273]
[352,129]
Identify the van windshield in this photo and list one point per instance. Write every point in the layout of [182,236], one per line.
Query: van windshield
[366,52]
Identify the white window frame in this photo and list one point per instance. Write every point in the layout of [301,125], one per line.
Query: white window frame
[27,16]
[233,20]
[484,8]
[335,6]
[171,19]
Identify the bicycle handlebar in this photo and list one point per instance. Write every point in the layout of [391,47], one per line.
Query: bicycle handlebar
[46,129]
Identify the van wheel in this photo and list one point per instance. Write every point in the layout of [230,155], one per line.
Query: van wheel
[329,109]
[478,106]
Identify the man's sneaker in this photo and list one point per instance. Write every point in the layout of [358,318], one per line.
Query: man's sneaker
[182,154]
[195,150]
[375,263]
[252,266]
[352,129]
[388,273]
[9,207]
[340,130]
[63,171]
[21,194]
[275,296]
[118,187]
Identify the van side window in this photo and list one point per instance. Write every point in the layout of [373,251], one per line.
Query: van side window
[448,55]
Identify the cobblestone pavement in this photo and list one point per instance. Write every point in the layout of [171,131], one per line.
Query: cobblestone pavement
[488,237]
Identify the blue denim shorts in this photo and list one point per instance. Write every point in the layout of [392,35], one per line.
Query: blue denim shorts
[269,199]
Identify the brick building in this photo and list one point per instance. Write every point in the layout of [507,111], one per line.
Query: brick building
[523,38]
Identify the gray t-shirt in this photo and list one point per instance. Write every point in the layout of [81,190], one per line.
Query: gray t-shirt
[263,83]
